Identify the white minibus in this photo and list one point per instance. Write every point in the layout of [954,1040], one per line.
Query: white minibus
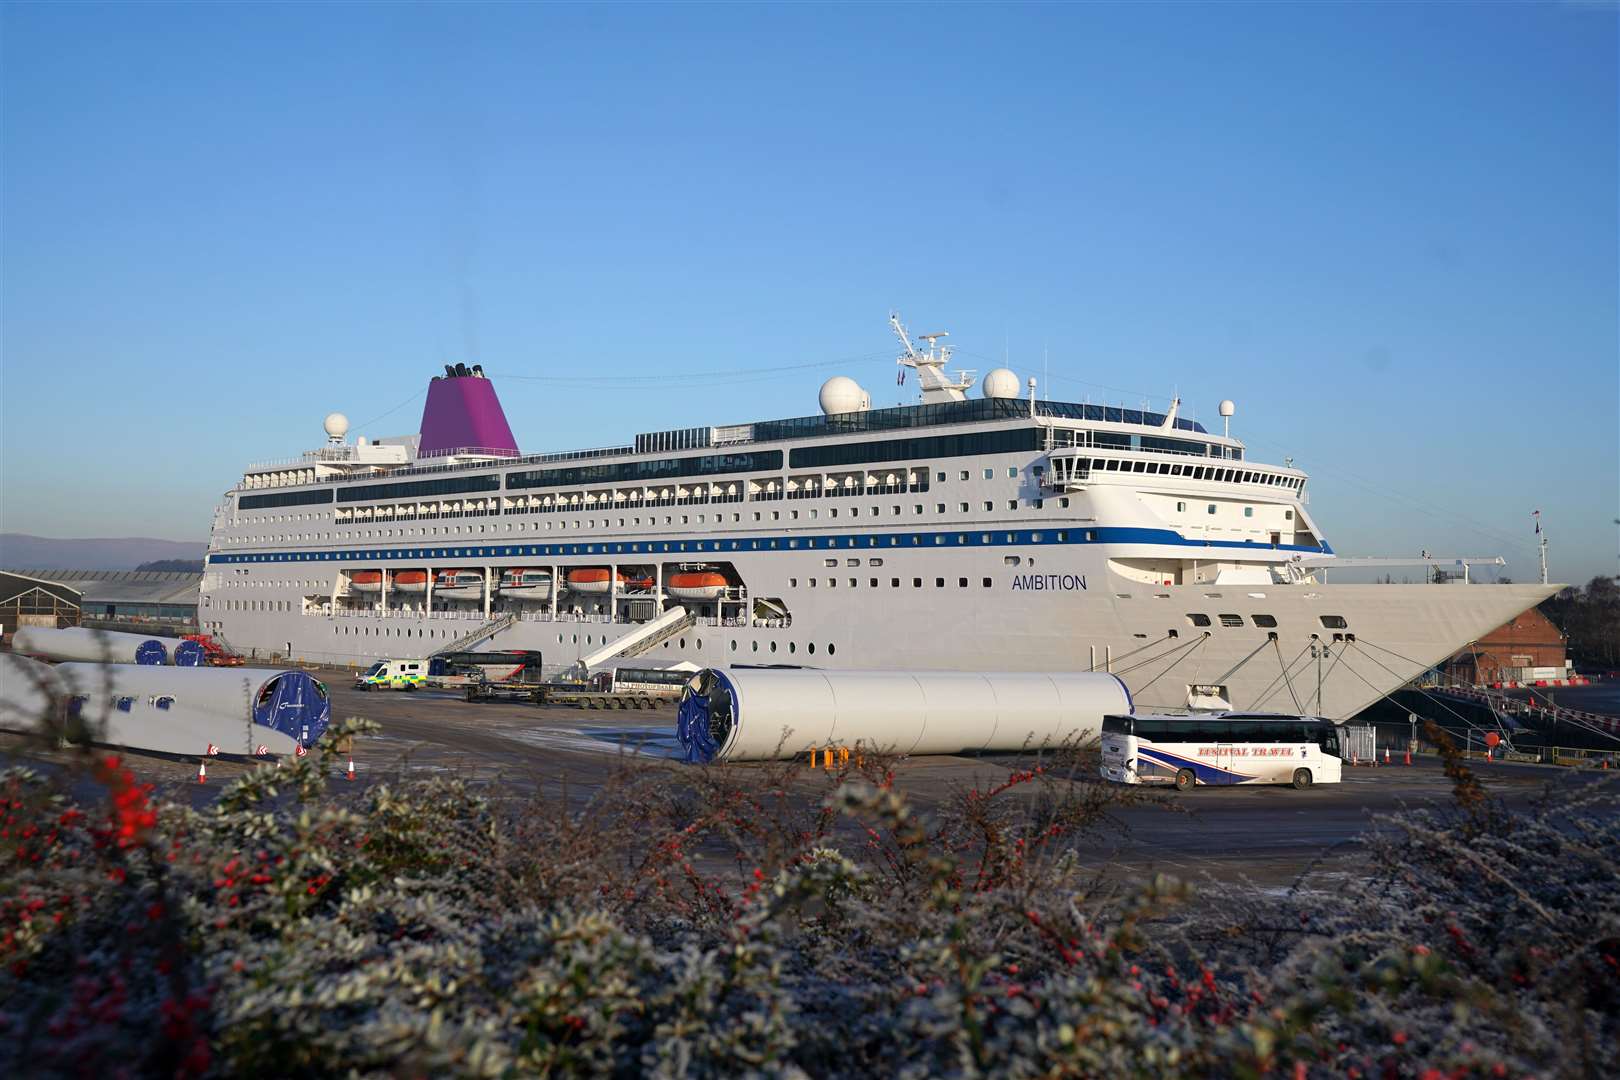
[1220,748]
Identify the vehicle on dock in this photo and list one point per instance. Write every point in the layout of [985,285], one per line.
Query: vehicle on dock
[1221,748]
[393,675]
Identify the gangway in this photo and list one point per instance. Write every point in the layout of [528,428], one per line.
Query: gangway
[639,638]
[488,630]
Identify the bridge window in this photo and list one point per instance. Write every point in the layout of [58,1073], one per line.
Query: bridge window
[1267,621]
[1198,619]
[1334,622]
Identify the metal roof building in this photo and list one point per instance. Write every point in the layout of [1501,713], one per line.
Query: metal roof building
[135,595]
[42,601]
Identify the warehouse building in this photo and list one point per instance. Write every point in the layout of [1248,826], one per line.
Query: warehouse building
[139,599]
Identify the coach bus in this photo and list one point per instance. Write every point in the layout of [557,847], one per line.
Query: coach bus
[1221,748]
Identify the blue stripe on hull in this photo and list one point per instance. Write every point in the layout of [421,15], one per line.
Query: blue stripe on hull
[955,538]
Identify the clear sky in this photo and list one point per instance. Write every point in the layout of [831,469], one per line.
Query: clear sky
[1388,232]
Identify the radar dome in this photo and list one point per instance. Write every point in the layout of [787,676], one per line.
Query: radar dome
[1000,383]
[337,425]
[1228,407]
[842,394]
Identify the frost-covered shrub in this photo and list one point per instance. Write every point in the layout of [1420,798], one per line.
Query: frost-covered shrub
[758,920]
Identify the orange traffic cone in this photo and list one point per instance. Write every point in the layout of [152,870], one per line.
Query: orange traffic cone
[1409,757]
[1386,755]
[351,766]
[1487,755]
[202,771]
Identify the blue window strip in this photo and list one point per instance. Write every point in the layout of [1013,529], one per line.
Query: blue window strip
[1048,536]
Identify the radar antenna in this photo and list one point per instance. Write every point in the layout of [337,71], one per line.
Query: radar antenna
[930,365]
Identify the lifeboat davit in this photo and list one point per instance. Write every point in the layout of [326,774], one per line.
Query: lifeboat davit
[459,584]
[526,584]
[697,585]
[408,581]
[366,581]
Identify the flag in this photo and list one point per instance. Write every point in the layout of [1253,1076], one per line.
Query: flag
[1537,515]
[900,377]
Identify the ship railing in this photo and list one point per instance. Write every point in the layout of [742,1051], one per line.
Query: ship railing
[472,451]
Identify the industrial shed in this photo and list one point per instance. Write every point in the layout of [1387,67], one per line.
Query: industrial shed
[28,600]
[123,597]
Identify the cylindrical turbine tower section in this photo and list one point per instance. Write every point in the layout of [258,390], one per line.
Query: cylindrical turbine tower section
[95,646]
[755,714]
[247,711]
[29,693]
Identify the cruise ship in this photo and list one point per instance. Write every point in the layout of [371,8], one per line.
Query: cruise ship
[982,529]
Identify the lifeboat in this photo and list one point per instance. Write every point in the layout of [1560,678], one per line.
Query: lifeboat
[591,579]
[696,585]
[366,581]
[526,584]
[408,581]
[459,584]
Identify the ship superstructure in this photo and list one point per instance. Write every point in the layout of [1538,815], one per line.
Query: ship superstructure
[992,533]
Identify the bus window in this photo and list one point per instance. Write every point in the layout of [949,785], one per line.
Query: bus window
[1330,740]
[1116,725]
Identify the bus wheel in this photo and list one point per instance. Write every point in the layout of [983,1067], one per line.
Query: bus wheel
[1185,780]
[1302,779]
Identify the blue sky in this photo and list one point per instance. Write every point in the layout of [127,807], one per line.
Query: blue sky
[1388,232]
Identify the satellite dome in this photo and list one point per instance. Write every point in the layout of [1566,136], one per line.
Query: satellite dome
[842,394]
[1228,407]
[337,425]
[1000,383]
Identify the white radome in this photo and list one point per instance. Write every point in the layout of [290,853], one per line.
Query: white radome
[842,394]
[1228,407]
[1000,383]
[337,425]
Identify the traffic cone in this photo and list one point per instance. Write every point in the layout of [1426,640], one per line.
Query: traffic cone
[202,770]
[1487,755]
[1386,755]
[1409,757]
[351,766]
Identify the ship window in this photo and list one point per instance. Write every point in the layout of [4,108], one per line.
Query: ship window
[1288,515]
[916,508]
[989,474]
[793,582]
[829,562]
[1231,620]
[894,583]
[939,508]
[832,583]
[756,646]
[874,562]
[831,648]
[1334,622]
[1012,504]
[916,583]
[1248,511]
[961,583]
[853,562]
[854,582]
[939,583]
[897,509]
[987,583]
[1011,560]
[1181,507]
[1211,508]
[1012,472]
[1198,619]
[940,477]
[874,582]
[1267,621]
[1064,503]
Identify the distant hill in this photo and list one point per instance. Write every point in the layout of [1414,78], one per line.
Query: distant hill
[112,553]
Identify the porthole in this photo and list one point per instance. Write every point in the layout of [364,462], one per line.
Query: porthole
[773,646]
[792,647]
[812,648]
[831,648]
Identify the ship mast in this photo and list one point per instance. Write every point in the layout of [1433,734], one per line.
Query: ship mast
[930,365]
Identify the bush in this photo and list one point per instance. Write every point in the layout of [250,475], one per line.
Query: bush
[756,920]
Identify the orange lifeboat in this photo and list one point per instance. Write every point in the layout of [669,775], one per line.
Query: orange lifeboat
[591,579]
[697,585]
[408,581]
[366,581]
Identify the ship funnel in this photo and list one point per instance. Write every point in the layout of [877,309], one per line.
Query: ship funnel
[463,415]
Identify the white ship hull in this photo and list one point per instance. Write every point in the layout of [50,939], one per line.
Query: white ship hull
[982,535]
